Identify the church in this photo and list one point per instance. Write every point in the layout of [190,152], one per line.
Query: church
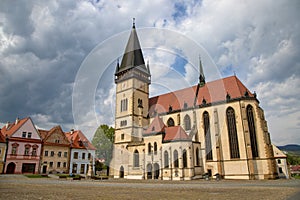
[214,128]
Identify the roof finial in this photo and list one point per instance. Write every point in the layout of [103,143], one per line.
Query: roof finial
[133,22]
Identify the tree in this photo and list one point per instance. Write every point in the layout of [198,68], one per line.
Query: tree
[103,141]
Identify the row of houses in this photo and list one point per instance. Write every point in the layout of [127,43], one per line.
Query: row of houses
[26,149]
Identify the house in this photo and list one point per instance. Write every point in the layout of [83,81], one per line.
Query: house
[281,163]
[2,152]
[213,128]
[55,155]
[24,147]
[82,153]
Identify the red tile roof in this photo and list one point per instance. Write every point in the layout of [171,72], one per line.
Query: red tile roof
[79,141]
[156,126]
[2,138]
[13,127]
[46,134]
[212,92]
[175,133]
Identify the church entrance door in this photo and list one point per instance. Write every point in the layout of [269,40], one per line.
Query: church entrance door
[121,175]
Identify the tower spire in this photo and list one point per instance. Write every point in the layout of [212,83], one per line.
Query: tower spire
[133,22]
[201,76]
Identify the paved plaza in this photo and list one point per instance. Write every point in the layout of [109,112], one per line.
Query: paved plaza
[21,187]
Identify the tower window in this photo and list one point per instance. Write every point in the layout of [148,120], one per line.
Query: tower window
[140,103]
[184,158]
[136,161]
[176,162]
[124,105]
[252,131]
[208,147]
[166,158]
[155,148]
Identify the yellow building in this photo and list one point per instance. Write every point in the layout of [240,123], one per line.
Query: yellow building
[2,152]
[56,151]
[214,128]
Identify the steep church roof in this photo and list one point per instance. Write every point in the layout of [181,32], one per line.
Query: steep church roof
[156,126]
[212,92]
[133,55]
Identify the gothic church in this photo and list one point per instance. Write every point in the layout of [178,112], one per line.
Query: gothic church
[211,128]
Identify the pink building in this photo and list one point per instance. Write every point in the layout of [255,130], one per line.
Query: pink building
[24,147]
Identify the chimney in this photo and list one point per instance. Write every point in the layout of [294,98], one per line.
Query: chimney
[17,120]
[72,131]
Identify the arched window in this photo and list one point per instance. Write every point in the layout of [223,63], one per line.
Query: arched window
[170,122]
[232,133]
[166,159]
[208,147]
[176,161]
[149,148]
[197,157]
[184,158]
[187,122]
[155,148]
[252,131]
[136,159]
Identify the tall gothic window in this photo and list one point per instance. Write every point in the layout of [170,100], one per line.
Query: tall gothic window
[175,157]
[170,122]
[149,148]
[184,158]
[187,122]
[208,147]
[124,105]
[252,131]
[155,148]
[136,160]
[232,133]
[166,159]
[197,157]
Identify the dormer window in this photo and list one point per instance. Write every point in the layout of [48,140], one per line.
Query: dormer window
[185,105]
[24,134]
[170,108]
[227,97]
[29,134]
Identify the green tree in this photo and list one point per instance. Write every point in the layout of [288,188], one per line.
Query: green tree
[103,141]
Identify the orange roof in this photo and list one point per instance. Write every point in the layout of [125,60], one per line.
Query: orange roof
[212,92]
[46,134]
[79,141]
[156,126]
[175,133]
[2,138]
[13,127]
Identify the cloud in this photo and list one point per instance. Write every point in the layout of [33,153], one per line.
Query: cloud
[44,43]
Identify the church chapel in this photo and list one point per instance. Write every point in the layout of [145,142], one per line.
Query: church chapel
[212,128]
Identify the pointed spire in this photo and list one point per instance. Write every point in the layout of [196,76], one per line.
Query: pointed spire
[133,22]
[201,76]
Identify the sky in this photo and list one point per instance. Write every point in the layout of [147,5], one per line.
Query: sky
[57,58]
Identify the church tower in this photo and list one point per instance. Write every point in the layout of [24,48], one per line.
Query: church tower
[132,78]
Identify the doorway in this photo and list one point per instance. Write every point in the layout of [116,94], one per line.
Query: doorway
[11,168]
[121,172]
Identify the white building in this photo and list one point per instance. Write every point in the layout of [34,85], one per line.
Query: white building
[281,163]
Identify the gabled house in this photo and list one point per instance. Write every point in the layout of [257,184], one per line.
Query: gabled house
[281,163]
[2,152]
[24,147]
[55,152]
[82,153]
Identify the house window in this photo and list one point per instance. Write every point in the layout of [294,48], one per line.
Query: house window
[175,156]
[155,148]
[82,168]
[166,159]
[252,131]
[279,161]
[280,170]
[75,155]
[64,164]
[124,104]
[208,146]
[29,134]
[26,151]
[46,153]
[51,164]
[57,141]
[14,151]
[34,151]
[184,158]
[52,153]
[187,122]
[59,154]
[24,134]
[123,123]
[83,156]
[232,133]
[58,164]
[65,154]
[89,156]
[136,160]
[122,136]
[170,122]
